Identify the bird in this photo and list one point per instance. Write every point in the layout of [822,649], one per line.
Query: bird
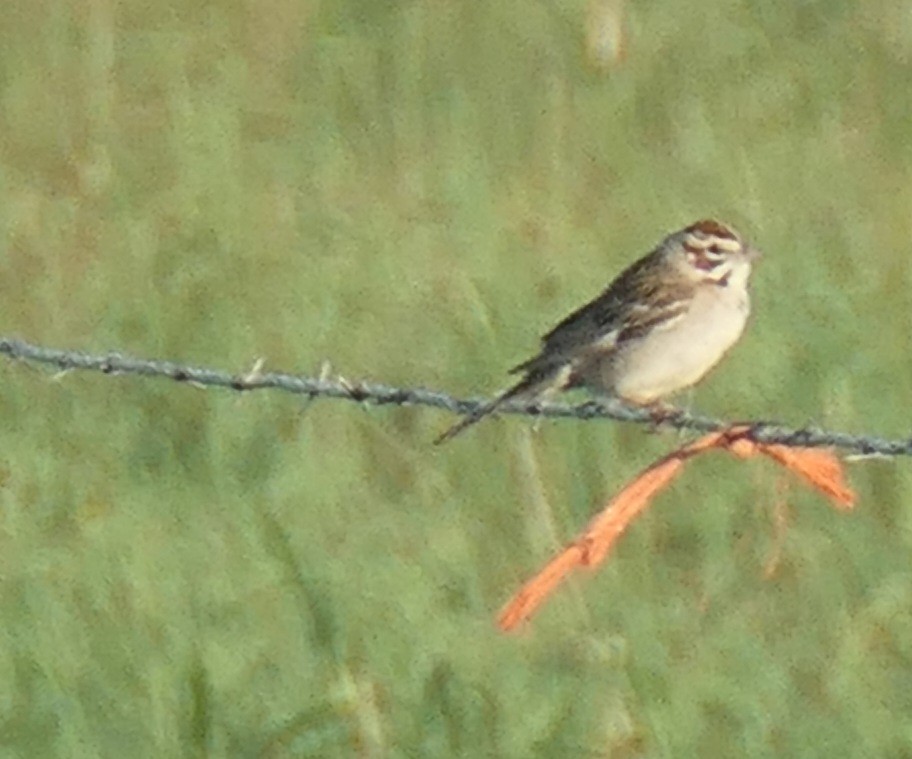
[659,327]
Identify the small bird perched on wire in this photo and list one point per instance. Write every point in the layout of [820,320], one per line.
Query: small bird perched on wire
[658,328]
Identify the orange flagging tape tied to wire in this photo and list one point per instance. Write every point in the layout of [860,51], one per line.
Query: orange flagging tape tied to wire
[821,468]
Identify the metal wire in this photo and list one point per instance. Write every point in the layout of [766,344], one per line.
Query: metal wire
[379,394]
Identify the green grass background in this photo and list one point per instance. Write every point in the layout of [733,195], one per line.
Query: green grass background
[414,190]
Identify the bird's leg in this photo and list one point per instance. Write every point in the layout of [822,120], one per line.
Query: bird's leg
[662,413]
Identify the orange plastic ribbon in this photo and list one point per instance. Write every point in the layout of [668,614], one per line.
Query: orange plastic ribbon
[821,468]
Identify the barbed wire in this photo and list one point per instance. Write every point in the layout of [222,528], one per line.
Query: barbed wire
[378,394]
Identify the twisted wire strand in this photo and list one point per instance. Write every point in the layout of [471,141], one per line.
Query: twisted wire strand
[378,394]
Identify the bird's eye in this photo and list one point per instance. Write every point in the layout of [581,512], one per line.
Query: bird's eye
[714,250]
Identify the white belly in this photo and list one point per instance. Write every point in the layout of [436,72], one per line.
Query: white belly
[671,359]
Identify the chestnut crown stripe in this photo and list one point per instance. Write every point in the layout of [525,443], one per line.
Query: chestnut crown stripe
[712,228]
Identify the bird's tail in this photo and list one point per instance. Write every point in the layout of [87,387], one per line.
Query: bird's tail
[531,384]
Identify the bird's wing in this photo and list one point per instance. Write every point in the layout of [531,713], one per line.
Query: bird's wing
[636,302]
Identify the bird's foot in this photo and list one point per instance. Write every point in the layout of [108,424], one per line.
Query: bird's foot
[663,415]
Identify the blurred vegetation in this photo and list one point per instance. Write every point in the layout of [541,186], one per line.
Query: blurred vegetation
[413,190]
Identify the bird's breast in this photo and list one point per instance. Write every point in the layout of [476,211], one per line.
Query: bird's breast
[679,355]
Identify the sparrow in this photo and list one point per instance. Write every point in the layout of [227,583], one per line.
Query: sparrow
[658,328]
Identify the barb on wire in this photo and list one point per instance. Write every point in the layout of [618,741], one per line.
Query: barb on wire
[379,394]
